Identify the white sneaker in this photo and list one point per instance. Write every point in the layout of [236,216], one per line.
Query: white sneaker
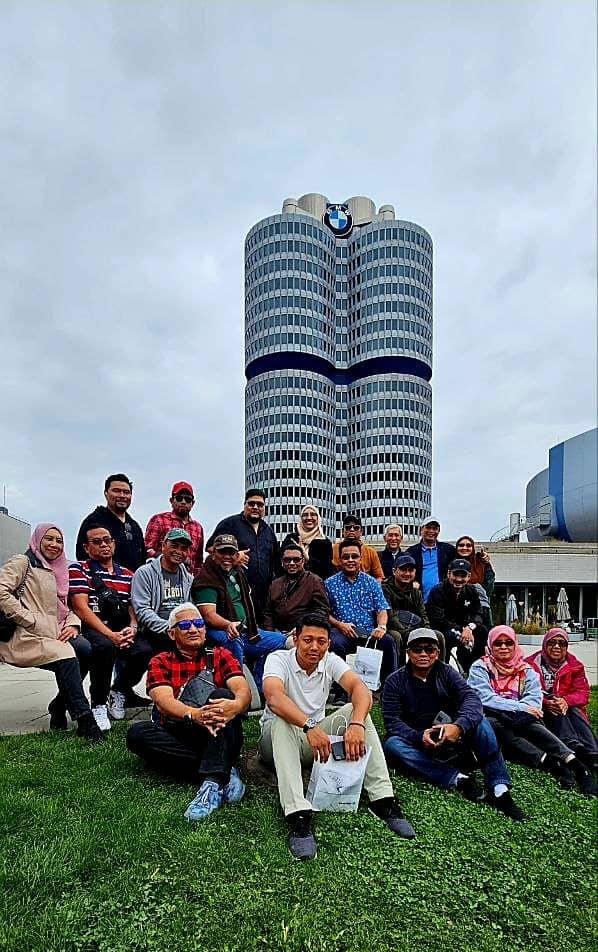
[100,712]
[116,705]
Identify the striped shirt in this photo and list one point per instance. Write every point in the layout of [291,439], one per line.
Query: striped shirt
[81,582]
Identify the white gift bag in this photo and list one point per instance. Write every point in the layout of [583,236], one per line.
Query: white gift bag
[367,666]
[336,785]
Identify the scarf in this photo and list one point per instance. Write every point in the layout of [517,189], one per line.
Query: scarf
[305,537]
[59,567]
[549,668]
[508,680]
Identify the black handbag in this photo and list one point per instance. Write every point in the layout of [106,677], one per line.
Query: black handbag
[113,609]
[7,625]
[197,690]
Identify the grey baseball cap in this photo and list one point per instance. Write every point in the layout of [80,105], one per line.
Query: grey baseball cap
[422,634]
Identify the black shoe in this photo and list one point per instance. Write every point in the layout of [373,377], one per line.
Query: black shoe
[57,712]
[505,804]
[302,842]
[584,778]
[135,700]
[567,779]
[89,730]
[388,810]
[470,789]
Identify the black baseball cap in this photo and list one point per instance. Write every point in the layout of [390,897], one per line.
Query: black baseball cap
[350,520]
[460,565]
[405,562]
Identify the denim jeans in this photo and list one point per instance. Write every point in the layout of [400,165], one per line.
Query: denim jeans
[247,652]
[482,741]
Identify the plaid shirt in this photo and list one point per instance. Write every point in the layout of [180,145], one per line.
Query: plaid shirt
[162,523]
[170,669]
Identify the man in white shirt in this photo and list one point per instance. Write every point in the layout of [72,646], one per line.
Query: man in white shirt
[295,730]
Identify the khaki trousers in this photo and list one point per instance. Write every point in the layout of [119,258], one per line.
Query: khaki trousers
[286,747]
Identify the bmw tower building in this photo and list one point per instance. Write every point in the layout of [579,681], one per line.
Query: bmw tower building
[338,361]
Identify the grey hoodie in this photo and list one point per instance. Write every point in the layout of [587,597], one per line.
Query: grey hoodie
[147,593]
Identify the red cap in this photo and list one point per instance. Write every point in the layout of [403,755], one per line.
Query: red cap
[181,487]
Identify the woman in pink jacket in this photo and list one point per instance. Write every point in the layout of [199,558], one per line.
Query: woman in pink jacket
[566,693]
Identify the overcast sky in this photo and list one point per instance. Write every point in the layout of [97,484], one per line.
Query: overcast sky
[142,140]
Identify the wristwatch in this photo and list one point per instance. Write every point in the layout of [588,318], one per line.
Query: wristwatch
[310,722]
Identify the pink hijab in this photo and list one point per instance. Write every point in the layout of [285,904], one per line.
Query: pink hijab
[508,680]
[59,567]
[550,634]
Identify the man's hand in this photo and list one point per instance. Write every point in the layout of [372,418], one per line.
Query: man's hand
[206,718]
[466,637]
[430,737]
[347,629]
[536,711]
[242,558]
[319,742]
[556,705]
[354,742]
[378,632]
[124,638]
[67,633]
[452,733]
[221,710]
[232,630]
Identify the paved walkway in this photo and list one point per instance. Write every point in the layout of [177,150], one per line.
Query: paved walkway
[26,692]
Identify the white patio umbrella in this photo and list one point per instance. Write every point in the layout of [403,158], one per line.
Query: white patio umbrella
[511,614]
[563,612]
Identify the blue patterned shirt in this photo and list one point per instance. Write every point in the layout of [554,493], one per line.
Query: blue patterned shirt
[356,602]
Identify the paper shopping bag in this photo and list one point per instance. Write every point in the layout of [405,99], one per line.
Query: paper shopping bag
[368,663]
[336,785]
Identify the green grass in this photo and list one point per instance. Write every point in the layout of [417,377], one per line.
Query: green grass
[96,857]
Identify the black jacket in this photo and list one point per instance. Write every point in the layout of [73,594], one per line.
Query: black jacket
[211,575]
[388,560]
[410,600]
[400,702]
[264,559]
[446,554]
[320,555]
[130,546]
[448,608]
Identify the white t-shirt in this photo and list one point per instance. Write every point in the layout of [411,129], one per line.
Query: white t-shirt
[308,691]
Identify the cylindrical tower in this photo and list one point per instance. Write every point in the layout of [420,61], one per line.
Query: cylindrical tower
[338,345]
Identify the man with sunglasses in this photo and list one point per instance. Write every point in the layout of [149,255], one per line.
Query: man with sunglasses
[187,741]
[294,594]
[182,500]
[259,551]
[433,719]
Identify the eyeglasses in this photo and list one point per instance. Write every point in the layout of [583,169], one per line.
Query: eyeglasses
[255,505]
[423,649]
[556,643]
[105,540]
[187,624]
[183,497]
[503,644]
[292,560]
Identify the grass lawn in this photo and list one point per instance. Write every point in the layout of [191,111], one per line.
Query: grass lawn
[97,857]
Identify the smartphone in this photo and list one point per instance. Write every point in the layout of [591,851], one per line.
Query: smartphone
[437,733]
[442,718]
[338,750]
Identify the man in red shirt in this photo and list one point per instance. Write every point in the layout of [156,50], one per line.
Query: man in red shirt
[182,501]
[190,741]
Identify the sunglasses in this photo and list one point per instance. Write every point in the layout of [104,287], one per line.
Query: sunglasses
[183,497]
[187,624]
[503,644]
[556,643]
[292,560]
[105,540]
[423,649]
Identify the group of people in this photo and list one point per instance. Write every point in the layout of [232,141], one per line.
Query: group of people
[196,616]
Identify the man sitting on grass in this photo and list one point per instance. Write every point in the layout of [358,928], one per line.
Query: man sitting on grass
[194,741]
[295,730]
[432,717]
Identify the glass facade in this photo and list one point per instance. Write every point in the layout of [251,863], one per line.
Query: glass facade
[338,347]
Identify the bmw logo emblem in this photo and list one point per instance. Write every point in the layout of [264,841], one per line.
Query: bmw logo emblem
[339,220]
